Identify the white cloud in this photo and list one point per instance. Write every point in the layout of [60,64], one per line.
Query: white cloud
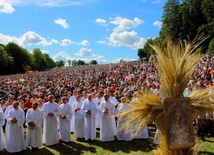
[54,41]
[124,59]
[84,52]
[158,24]
[62,22]
[156,1]
[85,43]
[124,23]
[54,3]
[64,56]
[6,7]
[27,39]
[66,42]
[129,39]
[101,21]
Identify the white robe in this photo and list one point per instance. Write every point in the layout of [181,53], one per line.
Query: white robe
[72,99]
[78,120]
[107,126]
[34,134]
[2,139]
[113,100]
[97,100]
[7,110]
[123,134]
[14,131]
[89,119]
[50,133]
[64,124]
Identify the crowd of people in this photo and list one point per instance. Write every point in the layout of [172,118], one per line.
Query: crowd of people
[53,104]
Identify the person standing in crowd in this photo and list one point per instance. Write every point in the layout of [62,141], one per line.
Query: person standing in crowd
[50,113]
[107,111]
[14,129]
[78,118]
[65,115]
[34,119]
[2,122]
[97,100]
[123,134]
[72,99]
[89,110]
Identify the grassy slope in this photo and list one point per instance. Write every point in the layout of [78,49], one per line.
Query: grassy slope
[134,147]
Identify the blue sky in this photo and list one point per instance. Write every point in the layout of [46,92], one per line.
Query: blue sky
[102,30]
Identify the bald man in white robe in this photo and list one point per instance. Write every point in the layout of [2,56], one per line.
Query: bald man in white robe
[14,129]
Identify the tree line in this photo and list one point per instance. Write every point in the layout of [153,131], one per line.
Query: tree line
[15,59]
[184,20]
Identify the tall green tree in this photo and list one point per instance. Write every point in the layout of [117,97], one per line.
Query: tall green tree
[142,54]
[192,19]
[171,20]
[93,62]
[69,63]
[60,63]
[147,47]
[22,58]
[80,62]
[74,62]
[49,61]
[6,61]
[39,62]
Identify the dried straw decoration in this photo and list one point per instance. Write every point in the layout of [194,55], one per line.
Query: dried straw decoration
[176,64]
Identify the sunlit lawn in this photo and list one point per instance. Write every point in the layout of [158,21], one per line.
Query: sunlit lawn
[134,147]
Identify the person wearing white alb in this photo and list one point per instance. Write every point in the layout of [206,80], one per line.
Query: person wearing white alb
[78,118]
[107,112]
[97,100]
[2,122]
[123,134]
[34,120]
[89,110]
[71,101]
[14,129]
[65,115]
[50,113]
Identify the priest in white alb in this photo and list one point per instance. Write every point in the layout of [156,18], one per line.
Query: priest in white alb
[65,115]
[50,113]
[107,112]
[78,118]
[34,120]
[14,129]
[89,110]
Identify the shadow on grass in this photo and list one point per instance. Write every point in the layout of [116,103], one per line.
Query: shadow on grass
[205,153]
[41,151]
[71,147]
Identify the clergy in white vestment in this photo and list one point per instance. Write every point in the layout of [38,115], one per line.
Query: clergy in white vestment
[89,110]
[123,134]
[78,118]
[14,129]
[113,100]
[71,101]
[97,100]
[65,115]
[107,112]
[34,120]
[50,113]
[2,139]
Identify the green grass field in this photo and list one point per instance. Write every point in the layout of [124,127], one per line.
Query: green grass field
[134,147]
